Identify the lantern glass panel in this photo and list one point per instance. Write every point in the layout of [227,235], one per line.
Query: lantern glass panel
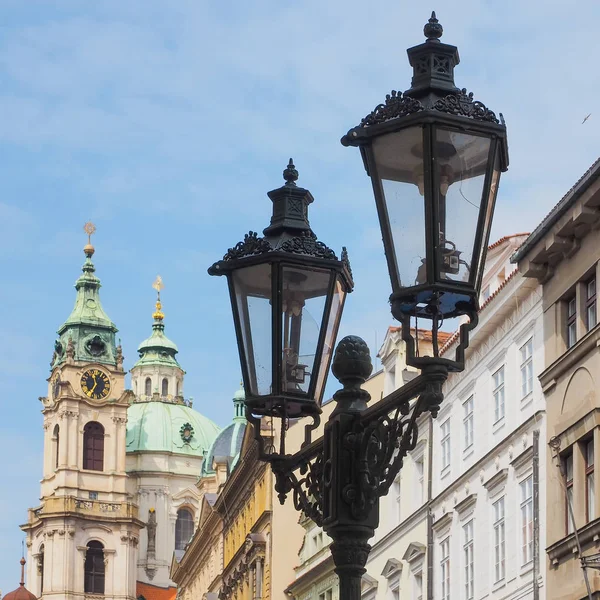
[461,161]
[333,324]
[487,223]
[303,300]
[400,169]
[252,288]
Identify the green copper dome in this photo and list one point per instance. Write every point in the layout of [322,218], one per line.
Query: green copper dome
[165,427]
[229,441]
[88,334]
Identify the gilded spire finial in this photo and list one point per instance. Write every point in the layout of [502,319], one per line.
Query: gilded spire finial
[90,229]
[158,285]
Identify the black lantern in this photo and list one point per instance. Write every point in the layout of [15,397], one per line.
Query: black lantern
[434,156]
[287,295]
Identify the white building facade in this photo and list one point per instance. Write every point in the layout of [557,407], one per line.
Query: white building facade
[488,470]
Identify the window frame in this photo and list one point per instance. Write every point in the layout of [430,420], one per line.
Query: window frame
[590,303]
[589,475]
[180,544]
[499,523]
[468,423]
[446,444]
[526,510]
[94,568]
[93,446]
[498,392]
[526,368]
[469,559]
[566,458]
[445,568]
[571,322]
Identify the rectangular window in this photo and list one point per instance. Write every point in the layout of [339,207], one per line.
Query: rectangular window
[527,520]
[396,506]
[469,561]
[526,368]
[445,444]
[420,482]
[445,568]
[568,470]
[419,586]
[590,494]
[571,322]
[498,382]
[590,304]
[326,595]
[468,422]
[499,540]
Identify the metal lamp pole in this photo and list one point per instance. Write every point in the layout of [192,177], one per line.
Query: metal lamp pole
[434,156]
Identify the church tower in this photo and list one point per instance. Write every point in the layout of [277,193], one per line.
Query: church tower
[82,539]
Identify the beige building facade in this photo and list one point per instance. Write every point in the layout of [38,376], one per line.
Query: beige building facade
[563,254]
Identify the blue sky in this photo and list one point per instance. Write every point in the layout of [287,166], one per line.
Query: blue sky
[167,122]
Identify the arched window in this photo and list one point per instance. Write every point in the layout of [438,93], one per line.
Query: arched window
[93,446]
[94,568]
[41,568]
[55,445]
[165,387]
[184,528]
[148,387]
[177,389]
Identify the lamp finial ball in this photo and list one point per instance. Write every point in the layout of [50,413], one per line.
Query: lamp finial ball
[433,30]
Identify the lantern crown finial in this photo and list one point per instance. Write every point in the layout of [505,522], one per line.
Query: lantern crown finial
[433,30]
[290,174]
[290,206]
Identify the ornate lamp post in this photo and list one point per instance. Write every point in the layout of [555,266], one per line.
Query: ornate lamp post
[434,156]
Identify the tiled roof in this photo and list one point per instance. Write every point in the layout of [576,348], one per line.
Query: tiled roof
[424,335]
[153,592]
[505,238]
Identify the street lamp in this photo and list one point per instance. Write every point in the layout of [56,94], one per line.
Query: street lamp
[287,294]
[434,156]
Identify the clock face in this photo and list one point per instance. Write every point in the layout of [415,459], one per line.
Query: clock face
[95,384]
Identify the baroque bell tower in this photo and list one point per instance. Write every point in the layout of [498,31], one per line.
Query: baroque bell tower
[82,538]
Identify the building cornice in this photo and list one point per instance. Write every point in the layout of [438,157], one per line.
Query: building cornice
[567,546]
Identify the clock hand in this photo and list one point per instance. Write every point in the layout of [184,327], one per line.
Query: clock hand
[95,383]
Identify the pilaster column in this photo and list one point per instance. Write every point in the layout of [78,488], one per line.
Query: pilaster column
[72,425]
[47,449]
[63,443]
[109,575]
[596,469]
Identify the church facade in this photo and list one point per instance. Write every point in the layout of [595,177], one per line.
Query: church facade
[118,495]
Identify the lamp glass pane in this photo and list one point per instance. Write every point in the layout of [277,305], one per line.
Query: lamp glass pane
[487,223]
[252,286]
[304,295]
[333,324]
[461,164]
[399,163]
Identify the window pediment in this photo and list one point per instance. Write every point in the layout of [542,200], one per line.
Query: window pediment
[414,552]
[392,567]
[496,482]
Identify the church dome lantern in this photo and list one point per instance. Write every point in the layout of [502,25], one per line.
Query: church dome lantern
[21,593]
